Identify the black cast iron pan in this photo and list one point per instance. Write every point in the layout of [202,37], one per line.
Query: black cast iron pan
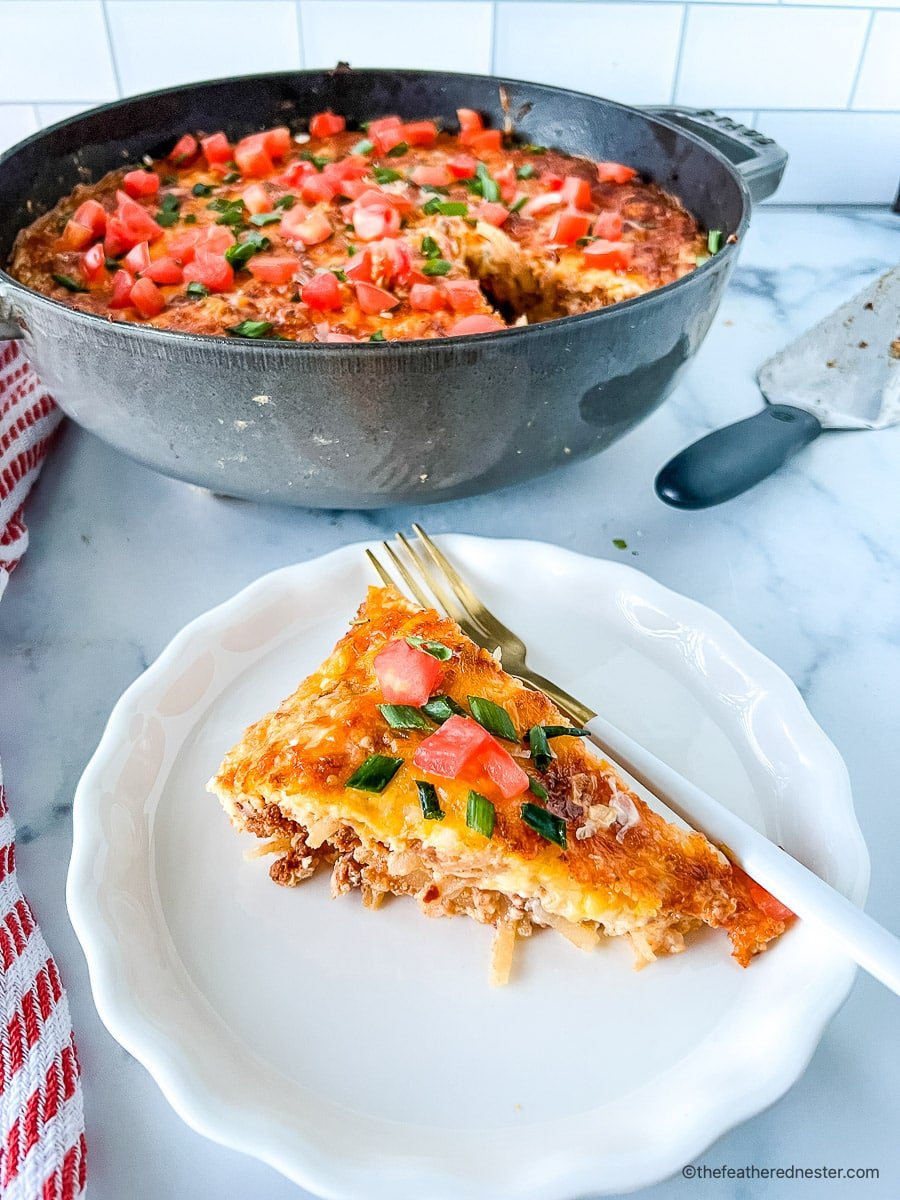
[360,426]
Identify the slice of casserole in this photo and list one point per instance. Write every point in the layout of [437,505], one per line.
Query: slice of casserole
[412,764]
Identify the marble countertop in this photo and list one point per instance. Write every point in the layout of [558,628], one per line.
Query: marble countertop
[807,567]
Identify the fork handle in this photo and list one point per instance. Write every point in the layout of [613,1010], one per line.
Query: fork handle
[869,944]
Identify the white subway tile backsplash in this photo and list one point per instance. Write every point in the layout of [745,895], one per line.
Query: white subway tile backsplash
[49,114]
[775,57]
[54,50]
[878,85]
[837,157]
[16,122]
[163,42]
[448,35]
[627,52]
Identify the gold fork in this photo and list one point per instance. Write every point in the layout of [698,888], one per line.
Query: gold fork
[423,567]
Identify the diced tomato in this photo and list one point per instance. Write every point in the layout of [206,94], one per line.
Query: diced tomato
[541,203]
[419,133]
[469,120]
[359,267]
[184,151]
[406,674]
[763,900]
[372,223]
[354,166]
[137,222]
[462,166]
[464,294]
[425,176]
[389,262]
[76,236]
[147,298]
[576,191]
[569,226]
[296,173]
[502,770]
[164,270]
[323,292]
[317,189]
[608,256]
[506,181]
[386,139]
[140,183]
[183,245]
[425,297]
[382,123]
[324,124]
[376,198]
[609,225]
[121,290]
[476,324]
[494,214]
[212,270]
[372,299]
[257,199]
[93,215]
[277,141]
[486,139]
[138,258]
[551,181]
[93,263]
[353,188]
[214,239]
[300,225]
[116,241]
[216,148]
[452,748]
[612,172]
[273,268]
[252,157]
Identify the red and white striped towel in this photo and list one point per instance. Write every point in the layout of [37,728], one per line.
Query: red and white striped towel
[42,1149]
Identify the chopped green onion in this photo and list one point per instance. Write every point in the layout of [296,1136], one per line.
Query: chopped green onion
[404,716]
[585,241]
[525,172]
[231,211]
[398,151]
[287,201]
[480,814]
[700,259]
[428,798]
[714,241]
[436,266]
[430,207]
[318,160]
[493,718]
[251,329]
[374,774]
[167,180]
[552,731]
[170,203]
[620,543]
[340,275]
[111,264]
[363,147]
[386,174]
[442,708]
[537,788]
[70,284]
[260,219]
[547,824]
[167,217]
[520,203]
[532,149]
[436,649]
[540,747]
[378,336]
[490,189]
[453,208]
[197,289]
[231,177]
[202,189]
[190,219]
[364,126]
[240,253]
[430,248]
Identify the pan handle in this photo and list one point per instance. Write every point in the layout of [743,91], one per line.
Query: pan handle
[759,159]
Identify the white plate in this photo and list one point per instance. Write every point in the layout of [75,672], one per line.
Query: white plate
[364,1054]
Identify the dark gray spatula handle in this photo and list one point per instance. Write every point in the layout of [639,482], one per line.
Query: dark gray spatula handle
[729,461]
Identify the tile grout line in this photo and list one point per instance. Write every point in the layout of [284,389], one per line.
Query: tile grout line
[493,59]
[679,54]
[111,48]
[298,14]
[862,58]
[798,110]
